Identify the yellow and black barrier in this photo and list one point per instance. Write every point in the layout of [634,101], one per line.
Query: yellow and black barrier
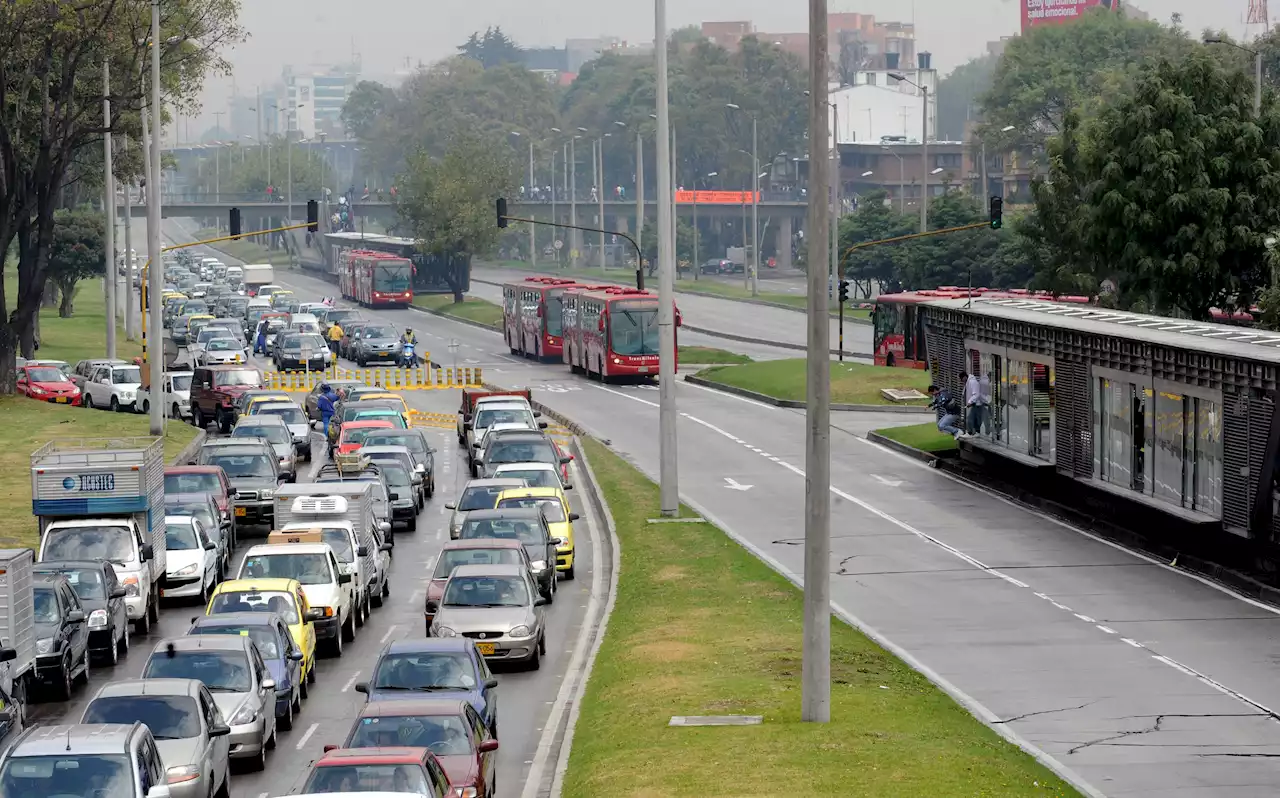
[421,378]
[426,418]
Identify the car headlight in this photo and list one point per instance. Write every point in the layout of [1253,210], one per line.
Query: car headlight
[539,565]
[284,461]
[245,714]
[465,792]
[36,390]
[266,494]
[182,773]
[131,586]
[126,396]
[44,645]
[187,571]
[445,631]
[519,631]
[98,619]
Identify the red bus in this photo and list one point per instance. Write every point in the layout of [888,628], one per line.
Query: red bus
[532,318]
[899,337]
[375,279]
[613,332]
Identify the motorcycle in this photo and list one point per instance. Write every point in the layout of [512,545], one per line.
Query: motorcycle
[408,359]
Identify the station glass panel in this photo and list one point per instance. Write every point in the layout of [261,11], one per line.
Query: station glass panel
[1115,436]
[1042,405]
[1208,458]
[1170,441]
[1019,407]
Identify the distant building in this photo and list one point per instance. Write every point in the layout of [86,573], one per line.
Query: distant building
[581,51]
[312,101]
[896,168]
[857,41]
[876,104]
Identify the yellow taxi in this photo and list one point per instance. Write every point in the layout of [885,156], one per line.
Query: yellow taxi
[280,299]
[283,596]
[555,508]
[194,322]
[396,399]
[266,397]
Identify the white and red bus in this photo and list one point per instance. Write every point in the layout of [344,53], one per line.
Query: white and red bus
[532,312]
[375,279]
[612,332]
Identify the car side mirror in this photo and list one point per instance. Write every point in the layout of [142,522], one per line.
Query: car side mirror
[542,425]
[557,541]
[160,791]
[75,616]
[568,487]
[209,545]
[330,747]
[540,601]
[574,516]
[421,468]
[566,460]
[384,526]
[145,552]
[220,730]
[537,414]
[475,446]
[344,579]
[268,684]
[282,478]
[7,654]
[231,493]
[312,615]
[450,506]
[363,551]
[386,547]
[118,593]
[490,683]
[295,655]
[362,687]
[488,745]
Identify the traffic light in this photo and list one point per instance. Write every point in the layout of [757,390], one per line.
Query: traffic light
[997,210]
[313,216]
[844,291]
[235,222]
[502,211]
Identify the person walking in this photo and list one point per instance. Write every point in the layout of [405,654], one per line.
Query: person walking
[972,399]
[335,335]
[324,403]
[260,338]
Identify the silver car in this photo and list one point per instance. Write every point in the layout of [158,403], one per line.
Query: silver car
[478,494]
[499,607]
[276,432]
[184,720]
[224,351]
[233,670]
[294,418]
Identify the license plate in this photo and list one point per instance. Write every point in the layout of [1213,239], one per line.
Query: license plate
[485,649]
[644,369]
[240,511]
[62,400]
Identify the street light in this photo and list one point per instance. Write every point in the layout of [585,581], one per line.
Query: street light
[755,203]
[288,141]
[867,173]
[533,243]
[836,185]
[924,148]
[1257,69]
[696,257]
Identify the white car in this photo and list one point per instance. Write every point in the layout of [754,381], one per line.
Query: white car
[538,475]
[191,561]
[207,333]
[222,351]
[176,396]
[327,587]
[113,386]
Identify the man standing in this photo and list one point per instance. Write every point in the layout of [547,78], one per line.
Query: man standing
[972,403]
[324,403]
[260,338]
[948,411]
[335,335]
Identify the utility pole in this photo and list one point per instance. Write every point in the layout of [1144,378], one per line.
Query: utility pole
[835,199]
[554,219]
[924,159]
[639,190]
[573,201]
[533,240]
[669,486]
[675,208]
[755,212]
[156,270]
[600,198]
[109,206]
[131,322]
[815,700]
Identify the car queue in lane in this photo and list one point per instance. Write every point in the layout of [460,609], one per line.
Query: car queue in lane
[210,512]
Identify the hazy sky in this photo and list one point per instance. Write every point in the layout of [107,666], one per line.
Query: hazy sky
[387,32]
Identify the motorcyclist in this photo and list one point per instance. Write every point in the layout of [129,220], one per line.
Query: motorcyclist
[407,337]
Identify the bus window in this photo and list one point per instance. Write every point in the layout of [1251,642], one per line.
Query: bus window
[908,328]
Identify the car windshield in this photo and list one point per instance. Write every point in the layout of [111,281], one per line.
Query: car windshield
[634,327]
[126,375]
[223,345]
[242,466]
[68,776]
[196,509]
[452,558]
[88,583]
[309,568]
[339,540]
[264,637]
[411,441]
[46,606]
[378,331]
[275,601]
[535,477]
[503,529]
[424,670]
[445,735]
[389,778]
[486,591]
[192,483]
[169,717]
[274,433]
[210,332]
[397,475]
[46,374]
[339,315]
[290,413]
[517,415]
[112,543]
[356,435]
[180,537]
[182,382]
[525,450]
[551,507]
[250,377]
[479,498]
[221,671]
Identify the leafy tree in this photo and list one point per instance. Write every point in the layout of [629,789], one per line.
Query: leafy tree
[77,252]
[1171,191]
[245,171]
[446,203]
[959,93]
[874,220]
[492,48]
[368,102]
[950,258]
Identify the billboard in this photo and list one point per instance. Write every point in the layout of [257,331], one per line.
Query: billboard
[714,197]
[1049,12]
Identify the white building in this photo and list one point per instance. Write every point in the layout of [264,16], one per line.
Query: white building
[313,101]
[878,105]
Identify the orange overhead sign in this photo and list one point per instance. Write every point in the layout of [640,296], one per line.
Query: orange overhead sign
[714,197]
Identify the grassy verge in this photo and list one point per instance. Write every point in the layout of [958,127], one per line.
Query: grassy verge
[707,355]
[851,383]
[83,335]
[470,309]
[924,437]
[701,627]
[248,251]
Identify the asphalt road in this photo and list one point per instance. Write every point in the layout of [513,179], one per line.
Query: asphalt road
[1139,679]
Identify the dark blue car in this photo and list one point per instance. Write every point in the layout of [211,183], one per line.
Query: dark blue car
[282,656]
[436,667]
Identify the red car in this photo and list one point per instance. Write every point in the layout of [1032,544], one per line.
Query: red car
[399,770]
[451,728]
[48,384]
[353,434]
[203,479]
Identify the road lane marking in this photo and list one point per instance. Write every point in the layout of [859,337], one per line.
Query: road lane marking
[1106,629]
[729,395]
[387,635]
[307,736]
[351,681]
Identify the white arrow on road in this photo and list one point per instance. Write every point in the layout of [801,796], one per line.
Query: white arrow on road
[734,484]
[892,483]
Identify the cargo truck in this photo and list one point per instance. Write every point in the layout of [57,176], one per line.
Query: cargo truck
[103,499]
[17,624]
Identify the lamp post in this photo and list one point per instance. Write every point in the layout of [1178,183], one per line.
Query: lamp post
[1257,69]
[696,258]
[669,488]
[754,276]
[924,148]
[573,197]
[156,271]
[597,166]
[109,193]
[533,244]
[902,179]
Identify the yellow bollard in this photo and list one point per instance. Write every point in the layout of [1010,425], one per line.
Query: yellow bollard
[479,377]
[438,382]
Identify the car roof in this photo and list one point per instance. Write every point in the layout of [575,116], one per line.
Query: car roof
[202,643]
[521,431]
[193,469]
[265,619]
[531,465]
[373,756]
[488,569]
[66,565]
[493,482]
[532,493]
[513,513]
[385,449]
[255,585]
[365,423]
[281,403]
[234,443]
[289,548]
[79,738]
[419,645]
[481,543]
[252,421]
[413,706]
[189,687]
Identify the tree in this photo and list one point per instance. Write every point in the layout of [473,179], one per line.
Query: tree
[874,220]
[958,96]
[77,252]
[368,102]
[446,203]
[493,48]
[1171,191]
[245,171]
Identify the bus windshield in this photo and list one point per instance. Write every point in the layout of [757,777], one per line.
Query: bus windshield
[555,309]
[634,327]
[392,278]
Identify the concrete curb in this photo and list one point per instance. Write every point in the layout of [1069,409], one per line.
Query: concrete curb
[188,453]
[793,404]
[903,449]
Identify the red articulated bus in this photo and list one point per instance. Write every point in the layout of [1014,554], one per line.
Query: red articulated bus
[612,332]
[375,279]
[532,316]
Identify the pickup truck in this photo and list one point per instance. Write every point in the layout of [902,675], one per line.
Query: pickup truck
[176,395]
[469,398]
[214,390]
[113,386]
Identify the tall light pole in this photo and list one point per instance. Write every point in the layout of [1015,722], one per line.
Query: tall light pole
[696,257]
[669,486]
[288,141]
[533,240]
[1257,69]
[599,169]
[815,695]
[555,234]
[573,199]
[109,207]
[753,266]
[924,147]
[130,323]
[156,271]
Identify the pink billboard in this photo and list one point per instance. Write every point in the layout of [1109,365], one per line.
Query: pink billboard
[1047,12]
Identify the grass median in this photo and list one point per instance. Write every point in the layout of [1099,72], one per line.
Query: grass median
[924,437]
[701,627]
[851,383]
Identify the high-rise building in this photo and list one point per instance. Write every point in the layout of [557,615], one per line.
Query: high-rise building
[311,103]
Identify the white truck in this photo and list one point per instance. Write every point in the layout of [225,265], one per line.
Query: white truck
[112,386]
[17,624]
[176,395]
[103,499]
[257,275]
[344,514]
